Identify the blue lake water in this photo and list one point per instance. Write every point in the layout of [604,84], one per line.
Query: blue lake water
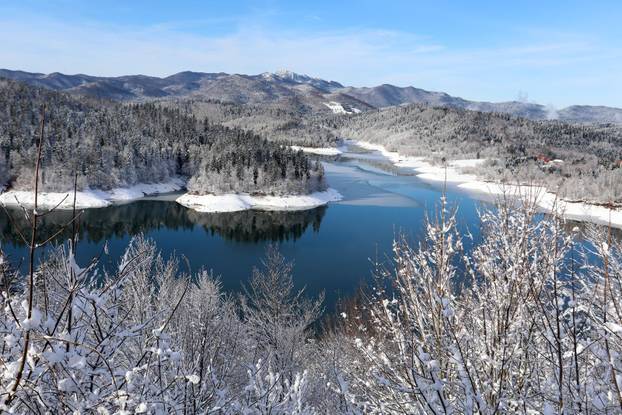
[333,247]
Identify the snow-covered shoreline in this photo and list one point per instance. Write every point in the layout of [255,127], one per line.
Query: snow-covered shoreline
[90,198]
[237,202]
[322,151]
[546,201]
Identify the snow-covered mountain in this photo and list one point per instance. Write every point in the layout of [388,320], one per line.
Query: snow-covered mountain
[295,78]
[293,91]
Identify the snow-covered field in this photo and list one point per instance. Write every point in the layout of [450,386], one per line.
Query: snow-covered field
[322,151]
[547,201]
[337,108]
[237,202]
[89,198]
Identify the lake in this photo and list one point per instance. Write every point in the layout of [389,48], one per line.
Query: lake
[333,247]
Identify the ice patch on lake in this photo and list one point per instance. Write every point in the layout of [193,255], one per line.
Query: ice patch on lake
[237,202]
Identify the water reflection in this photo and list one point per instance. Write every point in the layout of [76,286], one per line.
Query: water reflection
[97,225]
[257,226]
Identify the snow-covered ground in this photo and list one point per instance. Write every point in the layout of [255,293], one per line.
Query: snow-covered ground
[89,198]
[337,108]
[237,202]
[210,203]
[453,173]
[322,151]
[549,202]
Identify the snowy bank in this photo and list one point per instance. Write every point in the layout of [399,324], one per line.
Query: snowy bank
[547,201]
[237,202]
[322,151]
[452,173]
[89,198]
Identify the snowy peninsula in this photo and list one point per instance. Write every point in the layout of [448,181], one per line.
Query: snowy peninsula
[237,202]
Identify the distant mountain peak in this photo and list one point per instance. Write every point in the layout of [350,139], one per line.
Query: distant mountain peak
[292,76]
[286,73]
[297,78]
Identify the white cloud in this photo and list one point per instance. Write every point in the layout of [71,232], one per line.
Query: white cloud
[353,56]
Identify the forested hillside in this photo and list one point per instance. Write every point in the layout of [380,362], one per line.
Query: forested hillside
[455,132]
[113,145]
[583,161]
[289,126]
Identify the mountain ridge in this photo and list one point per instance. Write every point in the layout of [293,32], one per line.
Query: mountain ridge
[293,90]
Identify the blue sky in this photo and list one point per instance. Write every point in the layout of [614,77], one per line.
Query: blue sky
[552,52]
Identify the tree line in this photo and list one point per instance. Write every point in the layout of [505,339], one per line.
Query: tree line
[112,145]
